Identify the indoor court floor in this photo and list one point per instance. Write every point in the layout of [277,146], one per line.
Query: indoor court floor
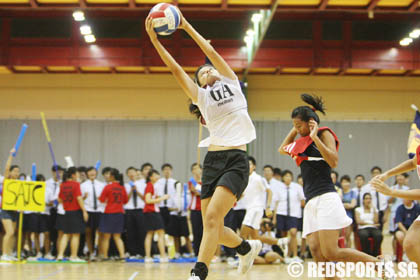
[140,271]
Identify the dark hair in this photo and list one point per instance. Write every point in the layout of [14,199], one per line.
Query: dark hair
[117,176]
[195,164]
[40,178]
[285,172]
[305,113]
[360,175]
[345,177]
[90,168]
[299,176]
[22,175]
[406,175]
[376,168]
[252,159]
[336,173]
[82,169]
[367,194]
[166,165]
[150,174]
[13,167]
[196,80]
[144,165]
[130,168]
[277,171]
[68,173]
[56,168]
[194,110]
[268,166]
[106,169]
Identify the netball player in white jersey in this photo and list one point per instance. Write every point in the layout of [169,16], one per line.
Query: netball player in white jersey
[411,241]
[219,98]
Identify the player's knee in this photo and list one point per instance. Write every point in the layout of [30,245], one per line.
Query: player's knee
[330,254]
[410,244]
[212,220]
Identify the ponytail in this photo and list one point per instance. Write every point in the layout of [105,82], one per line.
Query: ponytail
[305,113]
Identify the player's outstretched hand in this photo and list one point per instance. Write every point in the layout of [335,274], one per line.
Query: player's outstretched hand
[149,29]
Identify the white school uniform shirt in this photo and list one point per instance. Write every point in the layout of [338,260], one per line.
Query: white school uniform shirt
[87,188]
[255,194]
[225,110]
[49,197]
[160,189]
[275,186]
[180,200]
[140,187]
[383,199]
[54,188]
[296,195]
[240,205]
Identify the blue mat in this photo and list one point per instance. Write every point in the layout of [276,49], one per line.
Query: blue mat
[156,260]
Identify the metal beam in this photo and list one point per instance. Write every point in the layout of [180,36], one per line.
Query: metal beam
[414,6]
[372,5]
[323,5]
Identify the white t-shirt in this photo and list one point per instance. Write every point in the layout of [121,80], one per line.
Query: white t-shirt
[53,187]
[180,200]
[225,111]
[295,197]
[160,189]
[383,199]
[275,186]
[255,194]
[87,188]
[366,217]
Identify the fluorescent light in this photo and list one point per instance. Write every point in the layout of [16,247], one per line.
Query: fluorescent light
[90,38]
[256,17]
[85,30]
[250,32]
[415,34]
[78,16]
[406,41]
[248,40]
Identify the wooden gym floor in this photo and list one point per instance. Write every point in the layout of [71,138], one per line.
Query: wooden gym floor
[139,271]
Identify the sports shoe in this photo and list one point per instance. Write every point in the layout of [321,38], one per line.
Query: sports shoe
[232,262]
[297,259]
[283,243]
[49,256]
[246,261]
[7,258]
[148,260]
[164,260]
[194,277]
[78,260]
[216,259]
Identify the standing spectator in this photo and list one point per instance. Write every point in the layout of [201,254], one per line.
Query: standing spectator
[152,218]
[53,184]
[194,185]
[349,201]
[91,190]
[394,203]
[367,219]
[83,173]
[406,214]
[112,221]
[134,214]
[300,180]
[165,186]
[360,182]
[74,219]
[277,174]
[178,222]
[334,178]
[379,200]
[289,200]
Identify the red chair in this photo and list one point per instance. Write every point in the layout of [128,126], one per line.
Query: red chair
[342,239]
[400,252]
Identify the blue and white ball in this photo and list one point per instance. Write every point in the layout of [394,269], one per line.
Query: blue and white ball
[166,18]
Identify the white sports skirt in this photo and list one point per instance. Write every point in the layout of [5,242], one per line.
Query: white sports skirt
[324,212]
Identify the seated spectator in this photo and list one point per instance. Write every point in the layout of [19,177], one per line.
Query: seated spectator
[349,201]
[405,216]
[267,254]
[367,220]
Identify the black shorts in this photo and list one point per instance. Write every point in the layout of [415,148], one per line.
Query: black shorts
[9,215]
[178,226]
[26,224]
[73,222]
[153,221]
[225,168]
[111,223]
[37,223]
[93,221]
[300,224]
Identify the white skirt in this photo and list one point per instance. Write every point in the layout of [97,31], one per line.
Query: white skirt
[253,217]
[324,212]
